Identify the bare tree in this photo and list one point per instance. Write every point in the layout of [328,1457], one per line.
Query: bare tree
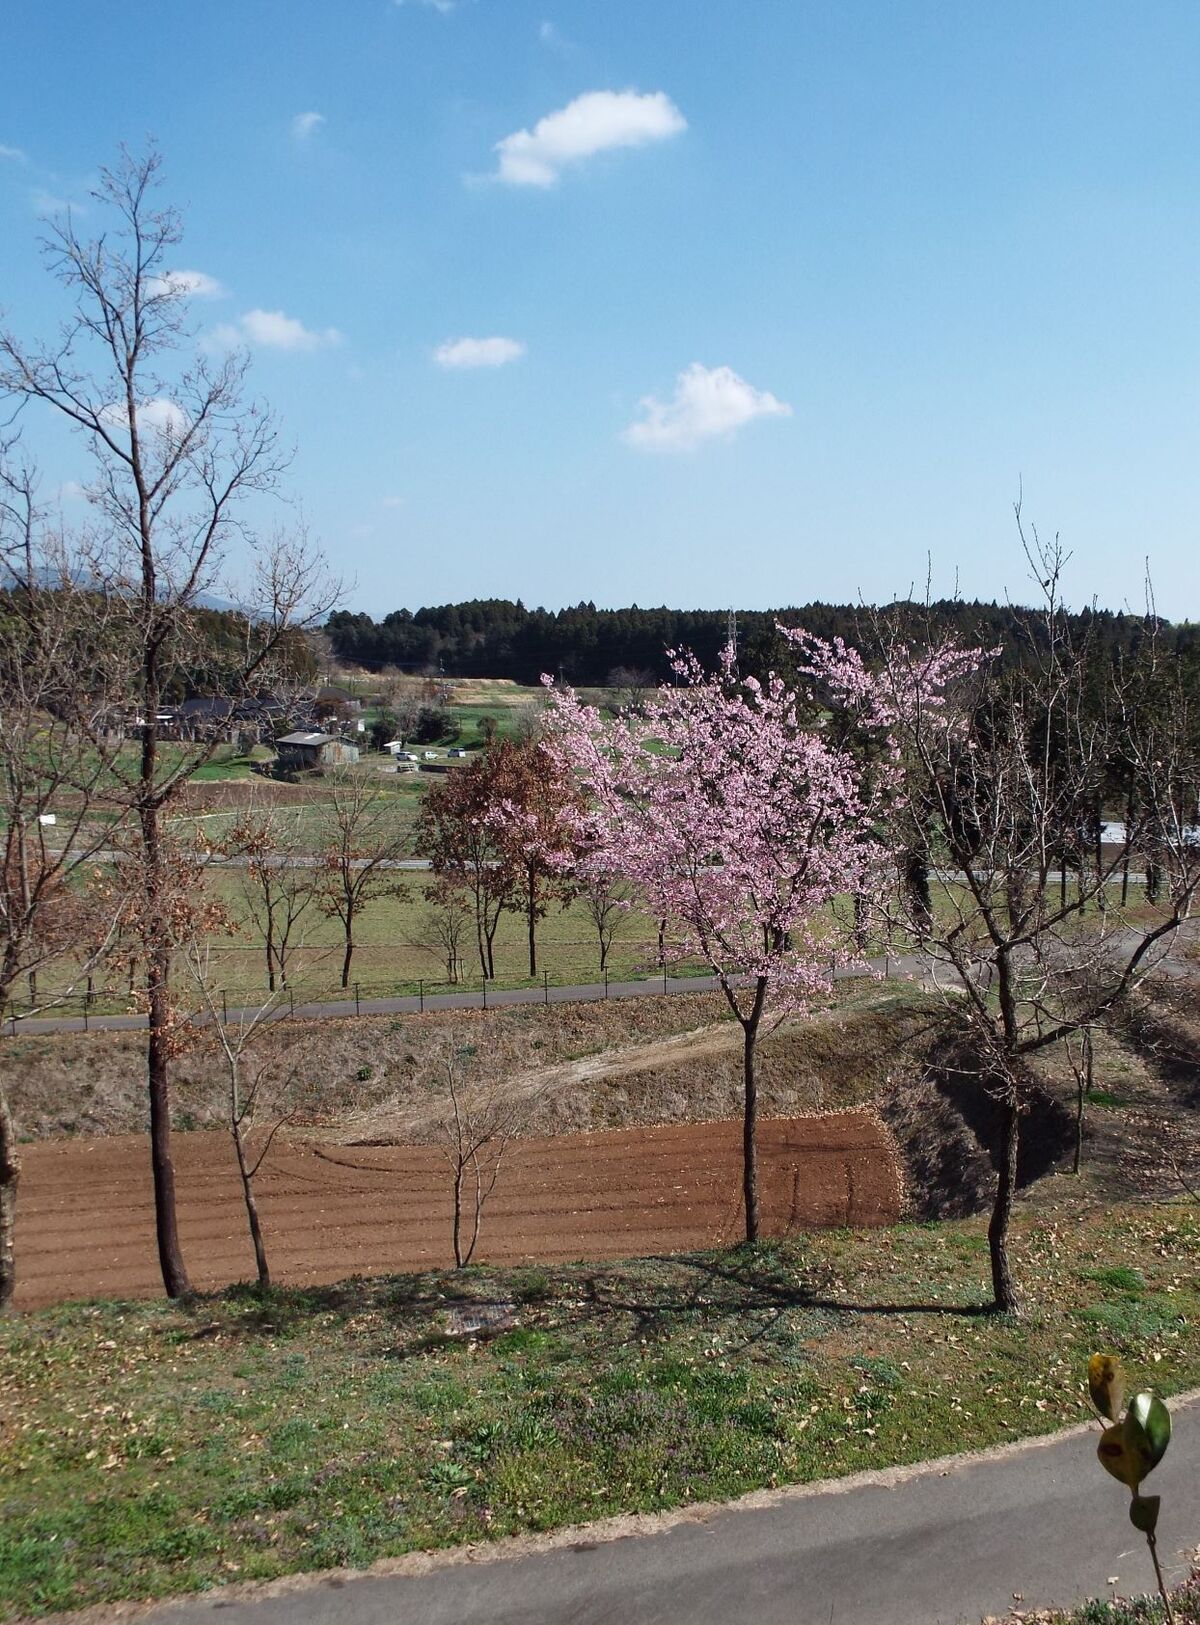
[1003,771]
[527,723]
[59,894]
[605,899]
[474,1129]
[361,842]
[256,1093]
[175,450]
[630,685]
[279,880]
[448,922]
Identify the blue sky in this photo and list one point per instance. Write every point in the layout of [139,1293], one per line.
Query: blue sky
[795,296]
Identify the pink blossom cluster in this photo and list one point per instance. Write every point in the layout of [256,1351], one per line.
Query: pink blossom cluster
[733,820]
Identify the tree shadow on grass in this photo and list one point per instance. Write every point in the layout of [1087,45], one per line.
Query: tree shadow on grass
[752,1296]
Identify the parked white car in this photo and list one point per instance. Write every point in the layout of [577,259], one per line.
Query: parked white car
[430,755]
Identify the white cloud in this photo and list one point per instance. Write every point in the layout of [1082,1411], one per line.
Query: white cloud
[196,284]
[306,124]
[708,401]
[493,352]
[597,121]
[48,203]
[392,502]
[554,39]
[272,330]
[444,6]
[70,491]
[158,413]
[15,153]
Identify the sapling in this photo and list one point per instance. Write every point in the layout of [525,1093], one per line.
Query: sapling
[1131,1447]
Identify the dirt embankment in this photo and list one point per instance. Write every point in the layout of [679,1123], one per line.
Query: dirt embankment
[949,1132]
[94,1084]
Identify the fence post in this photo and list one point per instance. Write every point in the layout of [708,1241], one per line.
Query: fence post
[357,1003]
[546,984]
[421,992]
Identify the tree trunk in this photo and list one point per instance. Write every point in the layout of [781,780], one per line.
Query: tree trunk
[256,1235]
[603,954]
[749,1145]
[860,922]
[1098,859]
[479,938]
[916,884]
[10,1175]
[477,1219]
[1153,877]
[750,1025]
[458,1181]
[1130,815]
[1083,1088]
[531,911]
[1004,1291]
[348,956]
[170,1255]
[157,953]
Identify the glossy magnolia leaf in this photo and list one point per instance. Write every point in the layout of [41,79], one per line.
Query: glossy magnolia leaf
[1118,1457]
[1106,1381]
[1152,1419]
[1143,1513]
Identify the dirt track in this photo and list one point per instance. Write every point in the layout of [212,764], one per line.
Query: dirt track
[85,1220]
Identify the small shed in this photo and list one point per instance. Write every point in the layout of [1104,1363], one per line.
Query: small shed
[308,750]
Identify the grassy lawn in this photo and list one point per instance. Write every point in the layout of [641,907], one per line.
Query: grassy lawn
[391,956]
[147,1448]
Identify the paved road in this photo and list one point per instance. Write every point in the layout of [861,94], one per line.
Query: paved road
[412,1004]
[951,1543]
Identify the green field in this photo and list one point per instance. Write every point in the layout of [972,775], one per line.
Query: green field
[391,955]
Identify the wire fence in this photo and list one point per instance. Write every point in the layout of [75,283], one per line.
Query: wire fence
[103,1008]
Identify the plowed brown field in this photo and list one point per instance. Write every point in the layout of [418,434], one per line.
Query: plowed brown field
[85,1217]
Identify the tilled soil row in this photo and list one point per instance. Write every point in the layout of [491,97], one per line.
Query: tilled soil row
[85,1218]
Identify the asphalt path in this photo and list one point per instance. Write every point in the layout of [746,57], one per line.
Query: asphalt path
[414,1004]
[1036,1525]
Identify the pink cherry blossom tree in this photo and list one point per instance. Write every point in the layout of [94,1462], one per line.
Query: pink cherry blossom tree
[737,825]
